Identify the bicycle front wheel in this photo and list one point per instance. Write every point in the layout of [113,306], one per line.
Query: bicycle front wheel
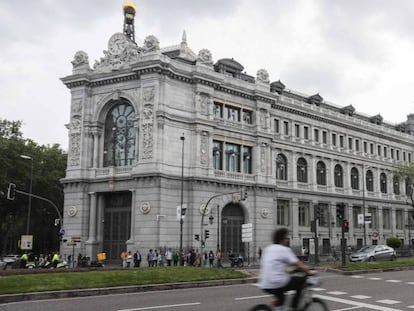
[261,307]
[316,304]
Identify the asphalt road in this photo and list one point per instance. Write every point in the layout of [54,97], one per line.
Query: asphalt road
[387,291]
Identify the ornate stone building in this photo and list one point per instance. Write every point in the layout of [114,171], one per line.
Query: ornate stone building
[152,128]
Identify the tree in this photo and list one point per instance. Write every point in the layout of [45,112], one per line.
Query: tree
[406,173]
[393,242]
[49,164]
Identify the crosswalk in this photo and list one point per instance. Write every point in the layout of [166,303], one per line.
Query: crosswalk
[384,302]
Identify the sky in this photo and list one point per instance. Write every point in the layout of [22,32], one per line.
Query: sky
[351,52]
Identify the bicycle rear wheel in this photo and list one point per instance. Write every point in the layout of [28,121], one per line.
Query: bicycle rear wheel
[261,307]
[316,305]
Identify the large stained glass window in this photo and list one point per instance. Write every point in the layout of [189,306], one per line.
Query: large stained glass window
[119,142]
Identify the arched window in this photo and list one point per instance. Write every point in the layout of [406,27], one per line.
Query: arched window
[396,184]
[369,178]
[321,173]
[339,176]
[408,186]
[383,182]
[354,178]
[281,167]
[119,141]
[302,170]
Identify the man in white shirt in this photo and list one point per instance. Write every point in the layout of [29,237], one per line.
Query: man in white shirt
[274,277]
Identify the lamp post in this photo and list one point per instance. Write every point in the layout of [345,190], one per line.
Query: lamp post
[182,138]
[29,207]
[363,204]
[211,219]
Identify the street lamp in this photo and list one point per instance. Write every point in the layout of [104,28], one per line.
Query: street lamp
[29,208]
[182,198]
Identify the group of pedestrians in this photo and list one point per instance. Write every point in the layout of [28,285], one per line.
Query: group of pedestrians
[169,258]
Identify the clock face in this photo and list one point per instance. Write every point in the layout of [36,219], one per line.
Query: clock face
[117,43]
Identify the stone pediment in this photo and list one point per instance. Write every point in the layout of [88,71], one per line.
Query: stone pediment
[277,87]
[348,110]
[377,119]
[315,99]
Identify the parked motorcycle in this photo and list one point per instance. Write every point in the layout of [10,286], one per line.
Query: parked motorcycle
[236,260]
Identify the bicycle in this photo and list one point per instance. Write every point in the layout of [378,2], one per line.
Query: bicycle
[306,303]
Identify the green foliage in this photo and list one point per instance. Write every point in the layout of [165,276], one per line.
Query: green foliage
[49,164]
[393,242]
[376,265]
[38,282]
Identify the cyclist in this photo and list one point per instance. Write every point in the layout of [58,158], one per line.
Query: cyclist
[274,277]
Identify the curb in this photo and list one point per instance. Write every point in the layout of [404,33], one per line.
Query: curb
[119,290]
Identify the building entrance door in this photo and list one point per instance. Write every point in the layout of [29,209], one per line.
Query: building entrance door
[117,224]
[232,220]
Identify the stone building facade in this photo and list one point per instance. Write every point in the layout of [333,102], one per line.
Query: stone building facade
[129,170]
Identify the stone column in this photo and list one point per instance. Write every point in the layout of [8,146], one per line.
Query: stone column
[131,239]
[95,136]
[91,242]
[100,218]
[294,220]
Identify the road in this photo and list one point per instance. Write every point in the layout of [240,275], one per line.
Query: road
[387,291]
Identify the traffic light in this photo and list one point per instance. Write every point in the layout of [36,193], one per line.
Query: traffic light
[206,234]
[346,225]
[197,237]
[244,194]
[11,191]
[183,209]
[340,211]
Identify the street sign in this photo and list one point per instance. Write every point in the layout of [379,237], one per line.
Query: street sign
[26,242]
[368,218]
[375,234]
[247,232]
[75,239]
[181,213]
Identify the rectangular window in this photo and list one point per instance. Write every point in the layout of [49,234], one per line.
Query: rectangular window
[232,157]
[316,135]
[357,144]
[333,139]
[392,153]
[217,155]
[304,214]
[282,212]
[277,126]
[371,148]
[233,113]
[374,219]
[385,152]
[324,215]
[356,210]
[297,131]
[404,156]
[341,141]
[397,153]
[218,110]
[247,160]
[306,132]
[365,147]
[386,219]
[350,143]
[247,117]
[379,150]
[399,219]
[324,137]
[286,127]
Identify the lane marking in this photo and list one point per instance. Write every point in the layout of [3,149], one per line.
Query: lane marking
[318,289]
[357,303]
[411,283]
[349,308]
[388,301]
[393,281]
[357,276]
[375,279]
[360,297]
[163,306]
[412,307]
[253,297]
[337,293]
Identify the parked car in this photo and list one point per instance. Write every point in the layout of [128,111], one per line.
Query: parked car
[374,253]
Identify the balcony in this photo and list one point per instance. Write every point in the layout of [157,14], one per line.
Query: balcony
[234,175]
[113,171]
